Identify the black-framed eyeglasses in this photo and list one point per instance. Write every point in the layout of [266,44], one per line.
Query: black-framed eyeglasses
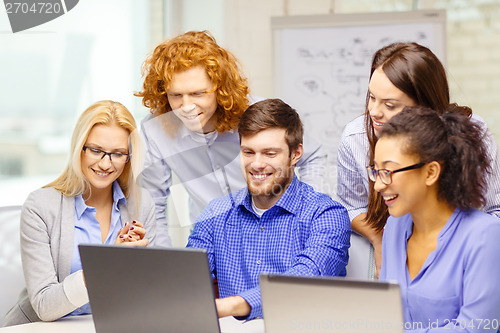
[98,154]
[386,175]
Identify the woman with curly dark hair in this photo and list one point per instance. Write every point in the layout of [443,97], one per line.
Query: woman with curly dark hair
[430,171]
[402,74]
[197,93]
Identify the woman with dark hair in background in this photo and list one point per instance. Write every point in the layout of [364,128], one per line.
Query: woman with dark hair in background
[402,74]
[430,171]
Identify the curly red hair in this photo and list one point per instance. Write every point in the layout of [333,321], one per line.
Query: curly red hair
[196,48]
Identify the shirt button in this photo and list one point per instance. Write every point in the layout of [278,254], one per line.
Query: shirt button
[227,188]
[258,262]
[217,167]
[79,310]
[262,228]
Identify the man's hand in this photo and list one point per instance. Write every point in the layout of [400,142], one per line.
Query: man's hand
[232,306]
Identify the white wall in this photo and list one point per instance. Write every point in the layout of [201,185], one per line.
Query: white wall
[473,35]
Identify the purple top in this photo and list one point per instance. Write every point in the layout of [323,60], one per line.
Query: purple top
[457,288]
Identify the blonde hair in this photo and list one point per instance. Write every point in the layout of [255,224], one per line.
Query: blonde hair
[72,181]
[196,48]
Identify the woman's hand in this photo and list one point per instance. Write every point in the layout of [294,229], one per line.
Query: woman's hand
[136,230]
[377,247]
[360,226]
[132,235]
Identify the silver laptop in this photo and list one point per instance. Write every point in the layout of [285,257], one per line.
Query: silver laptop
[149,290]
[304,304]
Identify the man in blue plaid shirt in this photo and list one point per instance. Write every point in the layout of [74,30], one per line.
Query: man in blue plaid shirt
[277,224]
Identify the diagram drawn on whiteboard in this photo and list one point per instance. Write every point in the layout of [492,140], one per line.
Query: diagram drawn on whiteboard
[324,73]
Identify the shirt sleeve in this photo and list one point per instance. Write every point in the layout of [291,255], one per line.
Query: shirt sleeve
[148,219]
[50,298]
[325,252]
[492,205]
[312,165]
[156,177]
[253,297]
[202,238]
[74,287]
[351,191]
[326,249]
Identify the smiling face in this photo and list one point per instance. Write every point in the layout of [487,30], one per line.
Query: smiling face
[267,165]
[102,172]
[192,100]
[408,189]
[385,100]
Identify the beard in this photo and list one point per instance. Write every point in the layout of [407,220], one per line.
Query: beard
[274,187]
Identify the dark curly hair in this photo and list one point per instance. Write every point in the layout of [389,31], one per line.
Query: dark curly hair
[196,48]
[454,141]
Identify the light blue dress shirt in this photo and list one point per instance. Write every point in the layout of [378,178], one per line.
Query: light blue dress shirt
[304,233]
[458,286]
[88,231]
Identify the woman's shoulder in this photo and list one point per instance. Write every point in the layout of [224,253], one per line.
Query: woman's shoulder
[478,119]
[478,222]
[43,204]
[354,136]
[45,195]
[355,127]
[478,233]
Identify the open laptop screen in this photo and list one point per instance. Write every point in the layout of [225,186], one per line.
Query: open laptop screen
[321,304]
[150,290]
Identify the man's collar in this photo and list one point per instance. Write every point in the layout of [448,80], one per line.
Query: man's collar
[287,201]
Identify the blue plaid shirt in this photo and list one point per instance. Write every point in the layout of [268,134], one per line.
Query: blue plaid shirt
[304,233]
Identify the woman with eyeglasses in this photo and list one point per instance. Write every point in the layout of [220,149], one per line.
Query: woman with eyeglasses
[95,200]
[402,74]
[430,170]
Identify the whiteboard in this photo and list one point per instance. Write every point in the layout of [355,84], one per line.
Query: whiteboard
[322,65]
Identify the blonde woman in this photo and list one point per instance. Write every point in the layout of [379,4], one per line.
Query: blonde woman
[95,200]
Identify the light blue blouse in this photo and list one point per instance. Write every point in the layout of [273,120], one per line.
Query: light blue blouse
[88,231]
[458,286]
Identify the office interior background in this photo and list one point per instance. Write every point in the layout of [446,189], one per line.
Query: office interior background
[51,73]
